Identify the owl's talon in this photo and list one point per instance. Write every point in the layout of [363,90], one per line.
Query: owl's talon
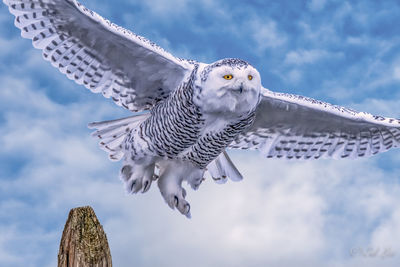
[170,184]
[146,187]
[137,177]
[183,207]
[171,201]
[176,201]
[135,186]
[187,208]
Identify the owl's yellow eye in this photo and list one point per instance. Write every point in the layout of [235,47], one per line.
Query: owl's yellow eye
[228,77]
[250,77]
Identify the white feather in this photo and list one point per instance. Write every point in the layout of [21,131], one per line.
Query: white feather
[112,133]
[306,121]
[222,167]
[116,53]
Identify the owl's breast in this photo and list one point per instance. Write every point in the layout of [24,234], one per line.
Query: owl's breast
[215,137]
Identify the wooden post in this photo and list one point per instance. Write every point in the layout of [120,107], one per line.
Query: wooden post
[83,242]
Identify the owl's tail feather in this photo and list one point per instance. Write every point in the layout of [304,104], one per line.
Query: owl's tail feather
[112,133]
[222,167]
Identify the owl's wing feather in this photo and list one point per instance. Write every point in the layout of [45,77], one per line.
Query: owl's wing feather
[294,127]
[102,56]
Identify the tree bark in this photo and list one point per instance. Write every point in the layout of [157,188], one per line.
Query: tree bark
[83,243]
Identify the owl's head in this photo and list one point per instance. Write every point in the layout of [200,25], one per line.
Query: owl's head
[228,85]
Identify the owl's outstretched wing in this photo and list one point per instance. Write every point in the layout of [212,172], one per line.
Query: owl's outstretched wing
[295,127]
[104,57]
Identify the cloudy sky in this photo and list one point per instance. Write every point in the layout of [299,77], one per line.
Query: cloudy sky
[321,213]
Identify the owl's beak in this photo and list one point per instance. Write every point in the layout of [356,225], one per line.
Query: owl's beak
[241,88]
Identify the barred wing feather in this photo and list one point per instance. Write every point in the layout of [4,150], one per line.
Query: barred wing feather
[102,56]
[295,127]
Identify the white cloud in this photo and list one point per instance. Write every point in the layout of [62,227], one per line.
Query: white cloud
[386,236]
[263,220]
[175,7]
[295,76]
[316,5]
[8,45]
[321,35]
[301,57]
[387,107]
[166,8]
[7,235]
[396,73]
[265,34]
[345,9]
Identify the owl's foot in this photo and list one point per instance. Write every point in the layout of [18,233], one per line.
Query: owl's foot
[195,182]
[174,194]
[137,177]
[177,200]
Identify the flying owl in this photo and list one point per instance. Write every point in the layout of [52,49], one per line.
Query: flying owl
[187,113]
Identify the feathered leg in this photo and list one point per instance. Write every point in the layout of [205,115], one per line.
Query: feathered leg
[138,176]
[172,173]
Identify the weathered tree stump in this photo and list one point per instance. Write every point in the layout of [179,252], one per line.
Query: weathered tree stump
[83,242]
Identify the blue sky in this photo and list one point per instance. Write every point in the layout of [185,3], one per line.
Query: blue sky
[282,214]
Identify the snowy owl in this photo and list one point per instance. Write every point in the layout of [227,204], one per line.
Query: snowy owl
[186,113]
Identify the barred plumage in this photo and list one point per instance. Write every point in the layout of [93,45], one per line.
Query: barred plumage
[212,144]
[174,125]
